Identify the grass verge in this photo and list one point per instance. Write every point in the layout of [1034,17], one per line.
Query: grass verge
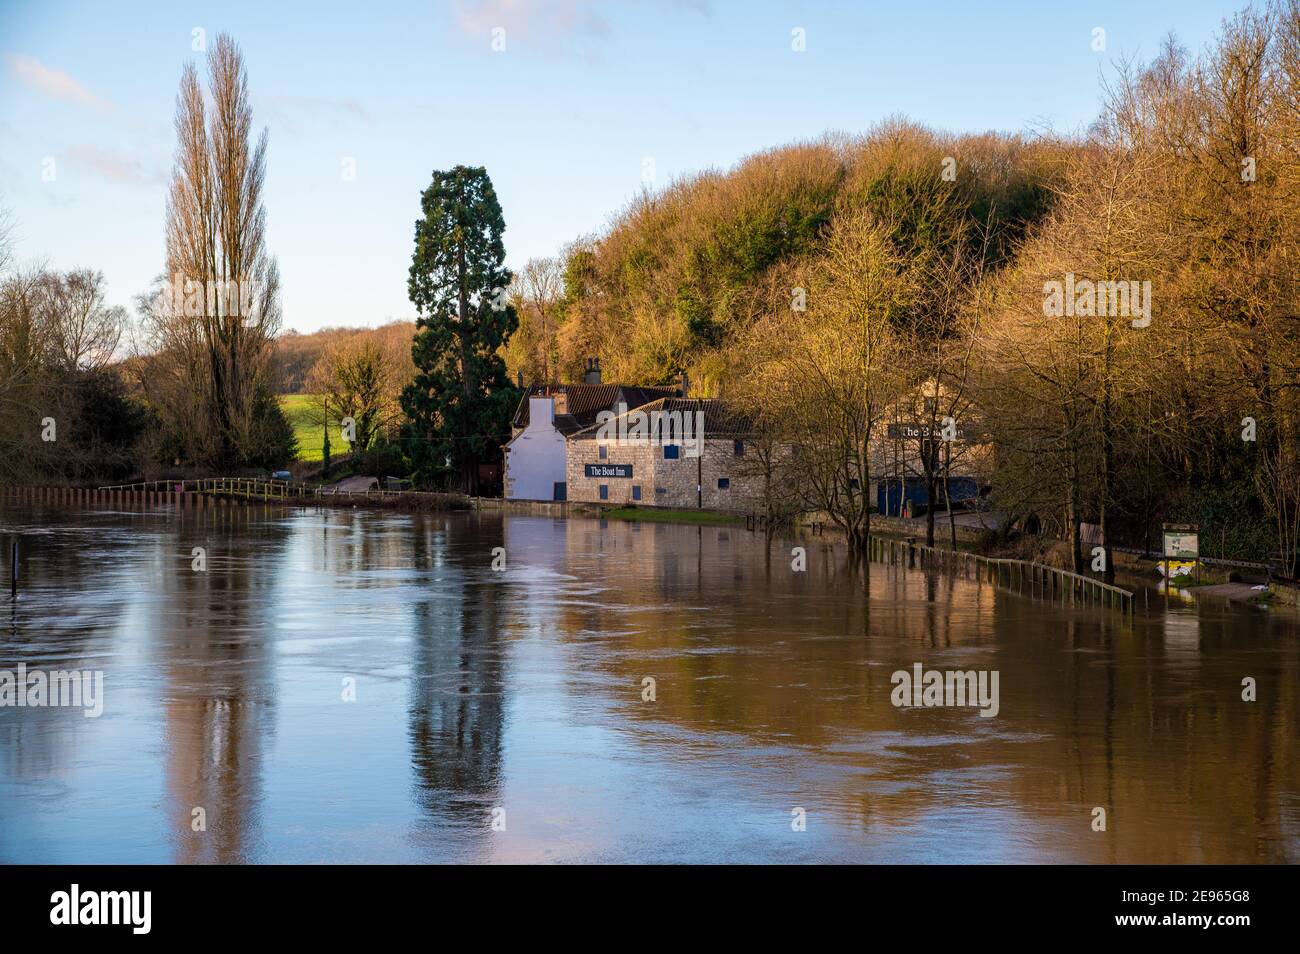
[706,517]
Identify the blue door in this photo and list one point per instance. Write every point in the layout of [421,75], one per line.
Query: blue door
[561,490]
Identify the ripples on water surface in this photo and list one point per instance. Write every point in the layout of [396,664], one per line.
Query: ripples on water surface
[522,689]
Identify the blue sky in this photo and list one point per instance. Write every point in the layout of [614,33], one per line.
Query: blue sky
[563,118]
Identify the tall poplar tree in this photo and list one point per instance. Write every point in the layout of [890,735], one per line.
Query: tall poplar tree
[458,407]
[215,333]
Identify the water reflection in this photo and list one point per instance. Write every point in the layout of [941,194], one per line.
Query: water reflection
[523,688]
[218,677]
[457,711]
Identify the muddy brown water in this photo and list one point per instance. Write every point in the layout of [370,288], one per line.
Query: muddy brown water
[364,686]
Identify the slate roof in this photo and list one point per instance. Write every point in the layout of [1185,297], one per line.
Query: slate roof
[721,419]
[585,401]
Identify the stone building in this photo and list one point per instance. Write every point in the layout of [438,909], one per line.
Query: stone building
[673,452]
[915,438]
[547,416]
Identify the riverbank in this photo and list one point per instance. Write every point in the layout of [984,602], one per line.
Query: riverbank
[710,518]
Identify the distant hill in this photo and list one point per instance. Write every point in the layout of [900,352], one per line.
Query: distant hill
[680,272]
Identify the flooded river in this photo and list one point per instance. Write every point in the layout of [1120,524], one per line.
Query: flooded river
[343,686]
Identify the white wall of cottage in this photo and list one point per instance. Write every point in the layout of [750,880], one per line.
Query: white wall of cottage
[536,458]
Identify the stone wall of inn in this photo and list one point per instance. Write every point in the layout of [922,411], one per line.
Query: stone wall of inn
[584,489]
[679,478]
[665,483]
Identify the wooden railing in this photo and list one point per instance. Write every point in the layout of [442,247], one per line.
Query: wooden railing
[1041,581]
[218,489]
[264,488]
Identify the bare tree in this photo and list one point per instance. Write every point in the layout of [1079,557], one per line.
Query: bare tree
[830,373]
[27,394]
[356,379]
[219,313]
[85,331]
[6,239]
[541,283]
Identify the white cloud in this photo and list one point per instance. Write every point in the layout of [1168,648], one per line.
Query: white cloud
[51,82]
[555,26]
[113,166]
[536,18]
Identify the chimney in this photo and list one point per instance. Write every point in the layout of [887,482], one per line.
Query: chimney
[521,380]
[541,409]
[593,371]
[686,385]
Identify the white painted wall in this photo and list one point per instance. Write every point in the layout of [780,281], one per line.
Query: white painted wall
[535,459]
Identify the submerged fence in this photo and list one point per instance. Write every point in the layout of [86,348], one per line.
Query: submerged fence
[220,491]
[1037,579]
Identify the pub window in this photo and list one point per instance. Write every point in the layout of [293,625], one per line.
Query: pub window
[604,451]
[740,448]
[604,491]
[671,451]
[724,483]
[636,491]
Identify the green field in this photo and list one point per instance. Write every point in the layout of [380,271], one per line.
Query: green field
[305,413]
